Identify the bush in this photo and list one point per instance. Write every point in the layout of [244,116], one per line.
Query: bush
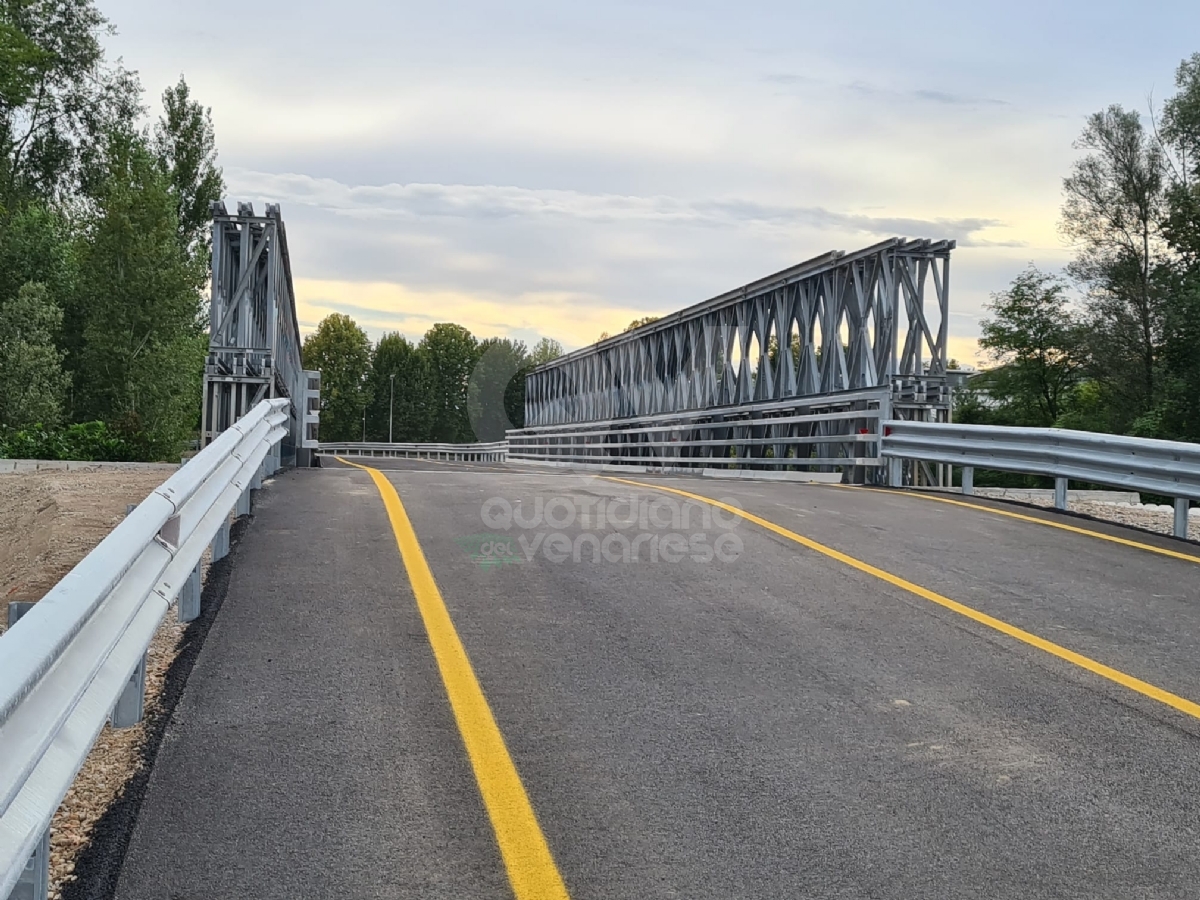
[86,442]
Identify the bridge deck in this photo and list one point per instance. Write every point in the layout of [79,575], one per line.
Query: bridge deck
[779,725]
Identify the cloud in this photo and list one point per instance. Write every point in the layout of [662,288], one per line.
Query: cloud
[945,98]
[381,307]
[503,202]
[956,99]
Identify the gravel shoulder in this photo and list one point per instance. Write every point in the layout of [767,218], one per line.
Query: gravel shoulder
[1148,517]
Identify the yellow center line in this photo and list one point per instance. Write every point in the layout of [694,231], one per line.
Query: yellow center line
[531,868]
[1115,675]
[1062,526]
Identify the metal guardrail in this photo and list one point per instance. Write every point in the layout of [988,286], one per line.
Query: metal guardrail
[496,451]
[1169,468]
[76,658]
[832,430]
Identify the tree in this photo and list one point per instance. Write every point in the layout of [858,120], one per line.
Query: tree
[1036,340]
[186,149]
[35,245]
[1116,204]
[544,351]
[496,392]
[636,323]
[138,352]
[1178,415]
[406,397]
[451,352]
[58,98]
[1181,137]
[32,382]
[342,352]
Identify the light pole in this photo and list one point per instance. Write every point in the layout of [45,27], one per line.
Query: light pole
[391,406]
[364,426]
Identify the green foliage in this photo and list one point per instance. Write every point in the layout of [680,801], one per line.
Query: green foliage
[137,353]
[544,351]
[1116,202]
[86,441]
[451,351]
[342,353]
[636,323]
[186,149]
[32,382]
[1128,362]
[109,225]
[58,98]
[496,394]
[1178,412]
[35,245]
[450,387]
[20,59]
[1034,337]
[406,397]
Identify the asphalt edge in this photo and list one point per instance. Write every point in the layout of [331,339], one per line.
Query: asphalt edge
[98,866]
[1169,540]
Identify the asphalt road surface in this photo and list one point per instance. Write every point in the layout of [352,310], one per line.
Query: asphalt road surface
[858,694]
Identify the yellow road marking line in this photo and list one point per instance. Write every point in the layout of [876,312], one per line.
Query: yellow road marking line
[1162,551]
[1115,675]
[531,868]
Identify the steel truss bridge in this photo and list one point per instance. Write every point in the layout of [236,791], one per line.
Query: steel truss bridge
[782,669]
[797,369]
[254,338]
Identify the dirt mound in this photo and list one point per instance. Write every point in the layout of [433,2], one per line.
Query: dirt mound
[50,520]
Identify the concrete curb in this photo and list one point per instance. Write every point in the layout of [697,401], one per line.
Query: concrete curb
[25,466]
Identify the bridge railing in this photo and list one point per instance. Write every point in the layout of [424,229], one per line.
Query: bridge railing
[494,451]
[828,431]
[1168,468]
[76,658]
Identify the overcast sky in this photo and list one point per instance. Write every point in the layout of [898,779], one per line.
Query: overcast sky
[557,169]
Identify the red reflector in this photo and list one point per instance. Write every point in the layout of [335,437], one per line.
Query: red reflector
[887,430]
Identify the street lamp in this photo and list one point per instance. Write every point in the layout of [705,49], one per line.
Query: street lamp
[364,426]
[391,406]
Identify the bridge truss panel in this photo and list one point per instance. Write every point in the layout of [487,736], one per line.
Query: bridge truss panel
[254,337]
[851,321]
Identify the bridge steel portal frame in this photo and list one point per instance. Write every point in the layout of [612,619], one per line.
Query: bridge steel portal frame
[853,322]
[254,337]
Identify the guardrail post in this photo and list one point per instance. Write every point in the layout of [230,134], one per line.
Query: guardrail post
[1181,517]
[220,544]
[189,597]
[16,609]
[1060,493]
[243,504]
[34,882]
[128,710]
[968,480]
[895,472]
